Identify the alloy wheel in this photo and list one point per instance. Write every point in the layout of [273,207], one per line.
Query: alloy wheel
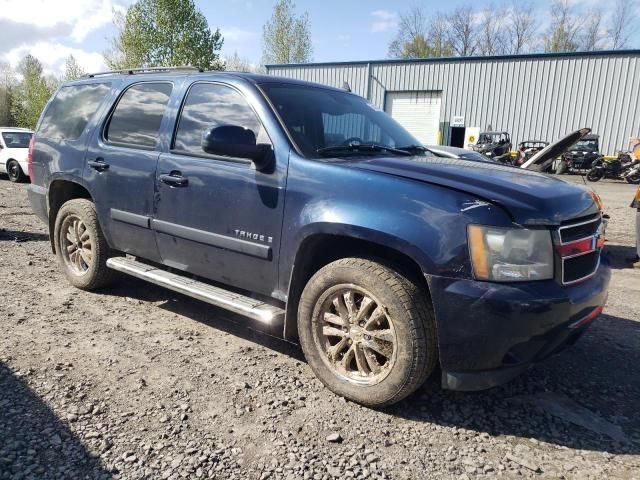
[76,244]
[355,335]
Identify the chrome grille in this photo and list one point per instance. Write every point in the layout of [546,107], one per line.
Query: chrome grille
[582,262]
[578,231]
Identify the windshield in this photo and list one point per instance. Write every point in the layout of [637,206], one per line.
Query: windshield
[488,138]
[17,139]
[586,146]
[319,119]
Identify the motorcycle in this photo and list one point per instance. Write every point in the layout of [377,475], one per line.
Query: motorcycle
[633,174]
[615,169]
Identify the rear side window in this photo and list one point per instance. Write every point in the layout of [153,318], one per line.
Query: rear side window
[209,105]
[71,109]
[16,139]
[137,117]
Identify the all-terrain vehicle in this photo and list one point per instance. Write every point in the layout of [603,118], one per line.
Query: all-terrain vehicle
[580,157]
[528,149]
[496,145]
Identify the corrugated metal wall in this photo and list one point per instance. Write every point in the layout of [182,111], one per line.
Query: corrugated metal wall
[539,97]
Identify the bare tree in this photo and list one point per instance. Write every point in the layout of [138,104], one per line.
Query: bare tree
[592,38]
[412,28]
[419,38]
[520,28]
[622,24]
[437,36]
[236,63]
[564,29]
[462,32]
[490,33]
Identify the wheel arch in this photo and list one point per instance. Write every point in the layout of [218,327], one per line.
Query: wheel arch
[321,248]
[62,190]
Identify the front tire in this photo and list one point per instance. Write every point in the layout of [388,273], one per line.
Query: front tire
[81,248]
[594,175]
[367,331]
[15,173]
[634,179]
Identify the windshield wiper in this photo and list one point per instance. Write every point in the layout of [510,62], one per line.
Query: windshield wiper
[414,148]
[362,148]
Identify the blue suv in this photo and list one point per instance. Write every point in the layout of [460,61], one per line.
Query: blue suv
[308,209]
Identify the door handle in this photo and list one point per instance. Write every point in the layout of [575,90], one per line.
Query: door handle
[174,179]
[98,164]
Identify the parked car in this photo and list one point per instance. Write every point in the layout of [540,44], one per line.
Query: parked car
[528,149]
[303,208]
[446,151]
[580,156]
[14,145]
[496,145]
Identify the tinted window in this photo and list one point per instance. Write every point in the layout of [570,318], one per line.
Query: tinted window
[317,118]
[71,109]
[17,139]
[137,117]
[208,105]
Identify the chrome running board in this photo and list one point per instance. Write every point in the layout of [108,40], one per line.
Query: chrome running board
[217,296]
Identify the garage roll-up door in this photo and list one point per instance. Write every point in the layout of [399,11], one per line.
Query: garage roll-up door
[418,112]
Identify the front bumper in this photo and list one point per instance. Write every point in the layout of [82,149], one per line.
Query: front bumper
[489,333]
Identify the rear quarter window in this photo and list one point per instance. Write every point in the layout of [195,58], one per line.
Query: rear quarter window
[138,115]
[71,110]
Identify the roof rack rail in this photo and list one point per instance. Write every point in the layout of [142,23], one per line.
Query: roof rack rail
[133,71]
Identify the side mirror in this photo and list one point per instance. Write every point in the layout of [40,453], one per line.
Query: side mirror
[236,141]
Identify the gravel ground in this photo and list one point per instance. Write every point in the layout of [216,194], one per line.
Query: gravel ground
[139,382]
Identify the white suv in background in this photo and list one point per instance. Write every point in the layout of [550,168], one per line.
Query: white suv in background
[14,146]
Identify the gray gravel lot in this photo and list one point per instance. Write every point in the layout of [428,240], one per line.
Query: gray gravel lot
[139,382]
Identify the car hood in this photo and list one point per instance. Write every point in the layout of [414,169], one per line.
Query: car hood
[531,198]
[541,160]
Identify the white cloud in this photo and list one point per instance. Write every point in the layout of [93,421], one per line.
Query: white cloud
[383,20]
[53,57]
[236,34]
[82,16]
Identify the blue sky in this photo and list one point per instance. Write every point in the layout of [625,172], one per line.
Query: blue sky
[342,30]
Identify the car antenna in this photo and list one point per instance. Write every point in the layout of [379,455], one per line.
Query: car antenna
[345,86]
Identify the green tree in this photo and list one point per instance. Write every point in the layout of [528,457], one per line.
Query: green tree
[72,71]
[31,94]
[286,37]
[161,33]
[7,86]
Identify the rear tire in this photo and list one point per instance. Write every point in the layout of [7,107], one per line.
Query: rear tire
[81,248]
[367,331]
[15,173]
[594,175]
[634,179]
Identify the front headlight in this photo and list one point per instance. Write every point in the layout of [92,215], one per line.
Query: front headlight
[510,254]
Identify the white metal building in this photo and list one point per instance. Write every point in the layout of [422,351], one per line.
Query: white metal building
[533,97]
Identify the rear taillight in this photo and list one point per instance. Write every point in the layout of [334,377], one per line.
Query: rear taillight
[30,157]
